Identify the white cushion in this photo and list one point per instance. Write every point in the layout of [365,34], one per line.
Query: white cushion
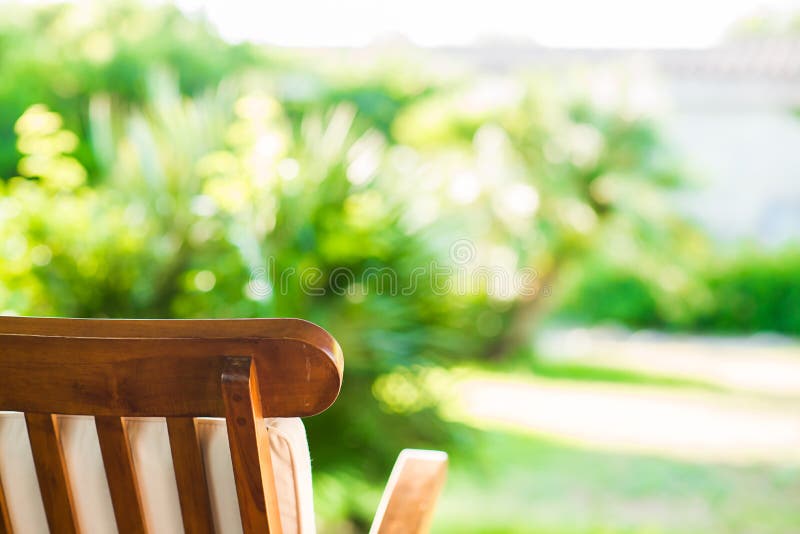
[155,474]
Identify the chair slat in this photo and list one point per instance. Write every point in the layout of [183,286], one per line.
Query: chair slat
[409,499]
[249,443]
[190,476]
[120,473]
[5,518]
[48,457]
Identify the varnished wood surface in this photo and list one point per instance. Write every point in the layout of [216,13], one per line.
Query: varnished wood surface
[409,499]
[122,483]
[243,370]
[249,443]
[190,476]
[48,457]
[162,367]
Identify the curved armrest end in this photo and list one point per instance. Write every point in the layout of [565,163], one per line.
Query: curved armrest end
[409,500]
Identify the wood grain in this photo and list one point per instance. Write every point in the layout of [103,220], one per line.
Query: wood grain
[410,496]
[122,483]
[243,370]
[249,443]
[48,457]
[190,476]
[162,367]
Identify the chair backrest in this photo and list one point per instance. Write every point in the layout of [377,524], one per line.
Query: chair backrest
[242,370]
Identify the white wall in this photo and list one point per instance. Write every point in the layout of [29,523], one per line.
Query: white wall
[742,145]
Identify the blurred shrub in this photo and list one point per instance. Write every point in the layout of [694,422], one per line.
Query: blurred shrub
[754,292]
[609,295]
[60,54]
[747,291]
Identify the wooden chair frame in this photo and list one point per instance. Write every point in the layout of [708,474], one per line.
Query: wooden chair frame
[242,370]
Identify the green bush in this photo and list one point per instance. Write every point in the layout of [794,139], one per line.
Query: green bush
[754,292]
[746,292]
[60,54]
[618,296]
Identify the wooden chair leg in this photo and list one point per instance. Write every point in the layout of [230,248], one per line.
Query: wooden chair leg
[249,443]
[409,500]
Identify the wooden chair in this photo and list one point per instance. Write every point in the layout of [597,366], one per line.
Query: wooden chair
[241,370]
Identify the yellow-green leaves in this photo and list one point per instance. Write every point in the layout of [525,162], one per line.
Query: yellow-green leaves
[46,149]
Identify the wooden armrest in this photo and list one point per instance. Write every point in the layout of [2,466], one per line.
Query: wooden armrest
[409,500]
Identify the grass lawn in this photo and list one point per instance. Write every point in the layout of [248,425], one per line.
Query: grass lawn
[523,483]
[515,481]
[592,373]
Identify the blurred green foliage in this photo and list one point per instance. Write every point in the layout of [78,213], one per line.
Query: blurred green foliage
[754,291]
[60,55]
[747,291]
[155,175]
[152,170]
